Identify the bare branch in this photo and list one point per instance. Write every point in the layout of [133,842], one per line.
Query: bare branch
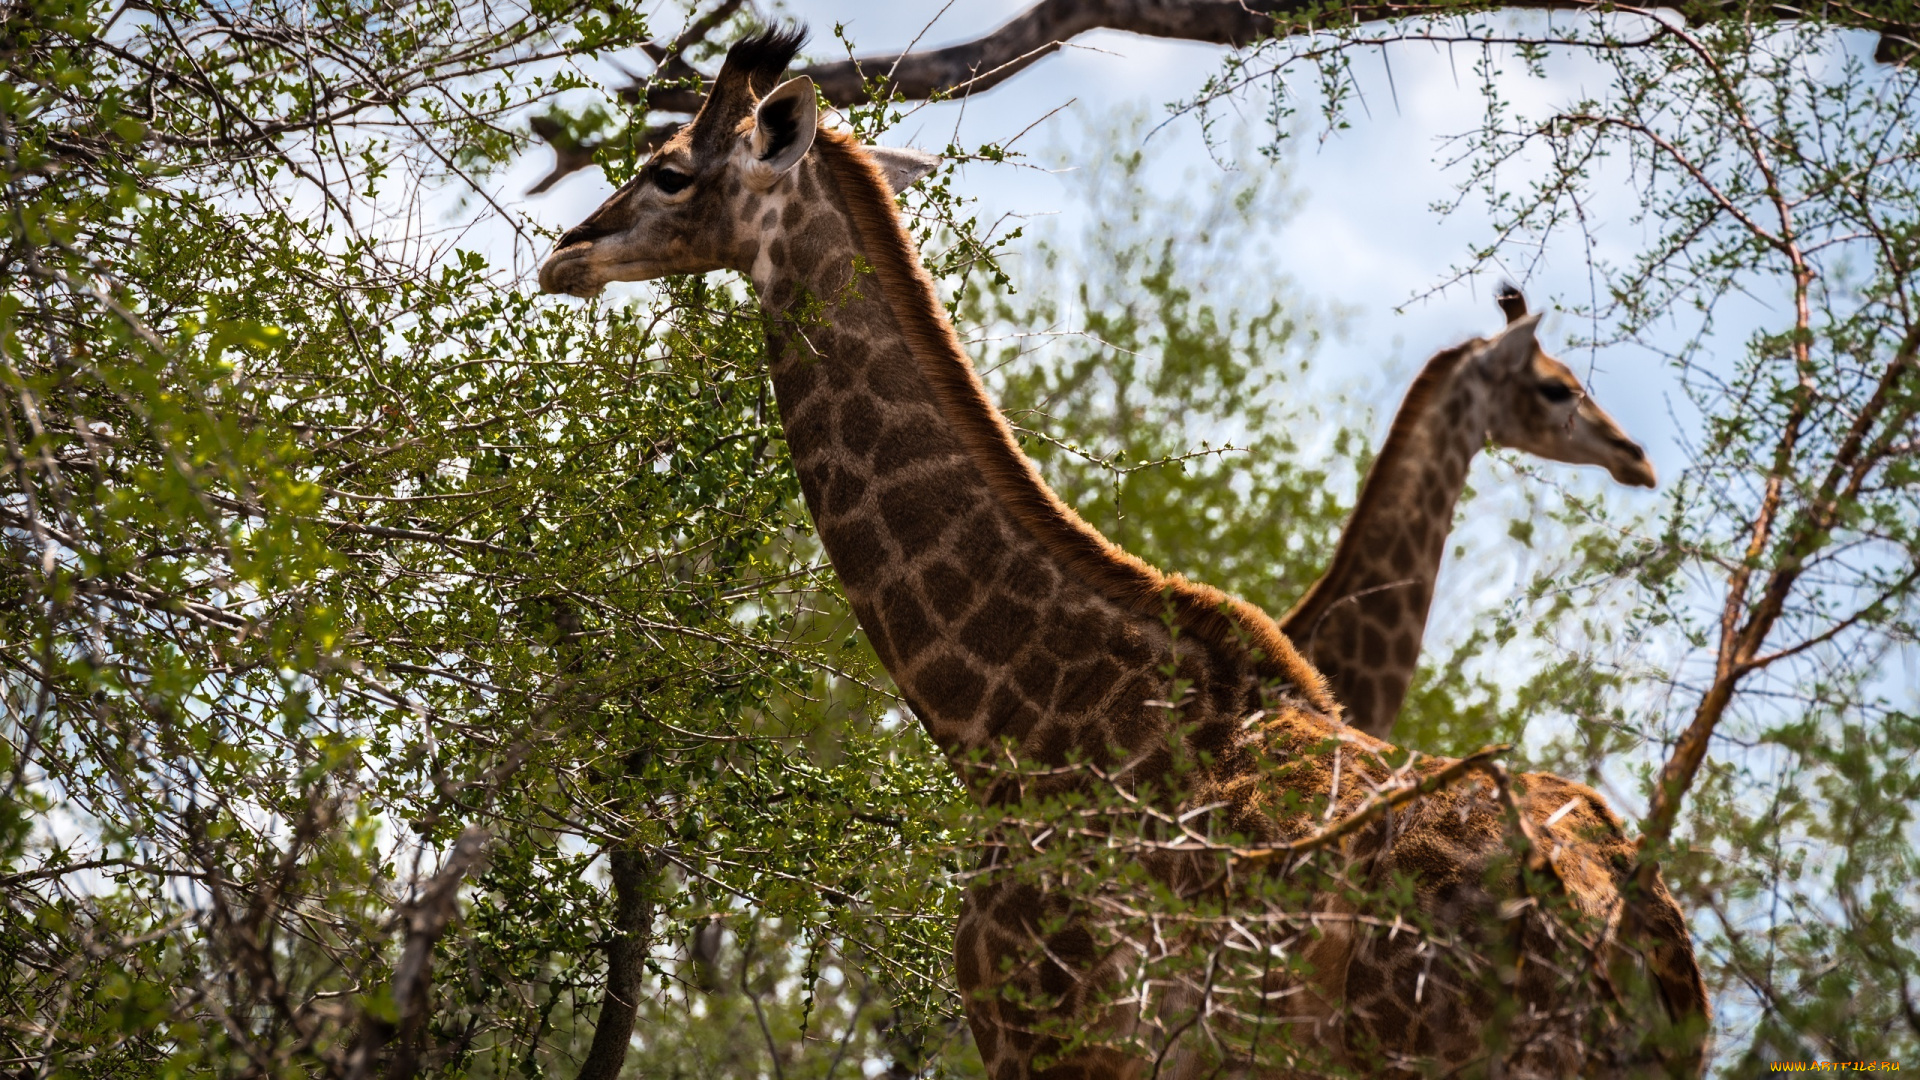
[1392,798]
[1810,530]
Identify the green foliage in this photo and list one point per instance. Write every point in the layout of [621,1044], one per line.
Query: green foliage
[1790,548]
[325,541]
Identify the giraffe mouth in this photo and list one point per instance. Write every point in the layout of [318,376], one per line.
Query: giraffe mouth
[1636,473]
[569,271]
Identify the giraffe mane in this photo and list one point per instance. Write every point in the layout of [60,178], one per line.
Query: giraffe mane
[1203,611]
[1435,375]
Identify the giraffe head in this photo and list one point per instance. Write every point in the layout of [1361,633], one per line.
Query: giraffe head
[707,198]
[1536,403]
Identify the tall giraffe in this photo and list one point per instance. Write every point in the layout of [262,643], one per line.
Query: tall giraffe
[1016,633]
[1361,623]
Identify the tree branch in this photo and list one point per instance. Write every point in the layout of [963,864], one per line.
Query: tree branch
[981,64]
[426,920]
[633,875]
[1810,530]
[1481,760]
[1040,31]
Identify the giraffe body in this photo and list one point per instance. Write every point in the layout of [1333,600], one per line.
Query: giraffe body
[1048,665]
[1362,622]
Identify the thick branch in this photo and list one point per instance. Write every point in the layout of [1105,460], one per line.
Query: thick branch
[1041,30]
[426,920]
[1046,27]
[626,963]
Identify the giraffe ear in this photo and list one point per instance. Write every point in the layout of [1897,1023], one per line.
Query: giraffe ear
[903,167]
[784,124]
[1513,346]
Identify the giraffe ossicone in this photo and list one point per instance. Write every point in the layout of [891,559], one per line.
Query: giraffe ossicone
[1362,622]
[1165,886]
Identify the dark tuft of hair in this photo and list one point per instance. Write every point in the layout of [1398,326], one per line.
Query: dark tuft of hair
[765,56]
[1511,300]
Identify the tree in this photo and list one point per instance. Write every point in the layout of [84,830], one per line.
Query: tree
[359,602]
[1787,560]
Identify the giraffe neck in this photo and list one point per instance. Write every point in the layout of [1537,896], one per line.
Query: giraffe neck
[996,610]
[1362,623]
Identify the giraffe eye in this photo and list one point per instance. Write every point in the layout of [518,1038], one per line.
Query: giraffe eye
[671,181]
[1556,392]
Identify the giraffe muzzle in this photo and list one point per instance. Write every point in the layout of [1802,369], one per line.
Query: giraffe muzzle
[569,270]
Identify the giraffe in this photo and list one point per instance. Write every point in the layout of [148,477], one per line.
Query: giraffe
[1054,670]
[1361,623]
